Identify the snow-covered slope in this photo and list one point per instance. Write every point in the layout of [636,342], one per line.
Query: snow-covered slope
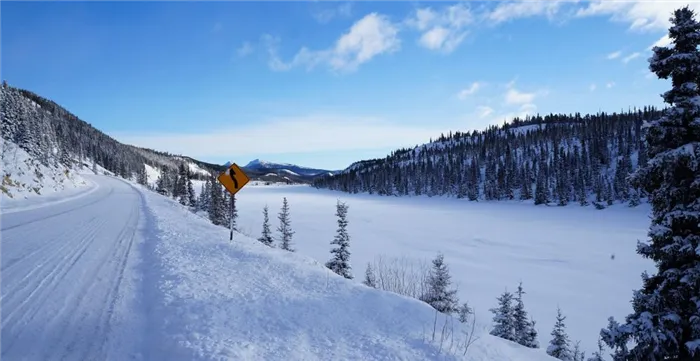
[25,177]
[241,300]
[561,254]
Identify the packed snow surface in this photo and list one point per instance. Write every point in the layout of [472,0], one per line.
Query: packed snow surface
[124,273]
[579,258]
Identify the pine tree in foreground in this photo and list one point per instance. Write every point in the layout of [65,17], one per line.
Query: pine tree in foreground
[578,355]
[370,279]
[340,263]
[598,355]
[524,330]
[217,211]
[266,236]
[559,345]
[141,176]
[285,227]
[464,312]
[439,293]
[665,324]
[504,323]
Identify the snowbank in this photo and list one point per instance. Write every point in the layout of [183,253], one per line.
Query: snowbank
[27,182]
[241,300]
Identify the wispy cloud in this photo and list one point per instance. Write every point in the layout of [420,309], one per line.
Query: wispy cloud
[322,133]
[507,11]
[484,111]
[326,15]
[631,57]
[442,30]
[610,84]
[515,97]
[614,55]
[369,37]
[245,49]
[592,87]
[640,15]
[664,41]
[471,90]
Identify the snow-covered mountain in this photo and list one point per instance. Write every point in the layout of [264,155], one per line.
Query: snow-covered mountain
[289,168]
[261,170]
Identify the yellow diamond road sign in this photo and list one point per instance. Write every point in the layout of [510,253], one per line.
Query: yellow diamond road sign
[233,179]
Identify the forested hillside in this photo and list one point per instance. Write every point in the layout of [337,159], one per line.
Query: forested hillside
[543,159]
[52,135]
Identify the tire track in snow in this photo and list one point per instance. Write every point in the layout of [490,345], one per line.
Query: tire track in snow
[67,280]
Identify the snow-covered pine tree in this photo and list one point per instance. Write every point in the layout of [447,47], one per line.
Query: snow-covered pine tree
[162,182]
[598,355]
[266,236]
[141,176]
[340,262]
[504,323]
[370,279]
[439,293]
[665,324]
[559,345]
[464,311]
[191,195]
[181,185]
[531,340]
[578,355]
[217,206]
[521,323]
[285,227]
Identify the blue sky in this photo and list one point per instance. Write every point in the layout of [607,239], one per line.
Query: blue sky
[326,83]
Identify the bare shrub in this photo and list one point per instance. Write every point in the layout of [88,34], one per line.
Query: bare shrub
[404,276]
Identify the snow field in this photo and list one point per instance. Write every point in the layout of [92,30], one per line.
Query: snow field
[561,254]
[243,300]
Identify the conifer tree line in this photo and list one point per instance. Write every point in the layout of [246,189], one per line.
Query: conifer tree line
[54,136]
[553,159]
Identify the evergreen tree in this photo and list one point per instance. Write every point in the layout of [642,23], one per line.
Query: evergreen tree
[578,355]
[439,294]
[340,263]
[191,195]
[504,322]
[523,328]
[531,339]
[266,236]
[181,185]
[598,355]
[464,312]
[162,182]
[370,279]
[141,176]
[665,324]
[559,345]
[217,206]
[285,227]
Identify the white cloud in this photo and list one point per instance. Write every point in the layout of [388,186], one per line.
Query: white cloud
[326,15]
[513,96]
[465,93]
[521,9]
[484,111]
[664,41]
[610,84]
[369,37]
[630,57]
[245,49]
[614,55]
[441,30]
[640,15]
[592,87]
[322,133]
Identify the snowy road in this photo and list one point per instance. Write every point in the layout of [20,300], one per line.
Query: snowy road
[70,280]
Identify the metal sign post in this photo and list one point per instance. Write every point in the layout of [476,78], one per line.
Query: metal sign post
[233,179]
